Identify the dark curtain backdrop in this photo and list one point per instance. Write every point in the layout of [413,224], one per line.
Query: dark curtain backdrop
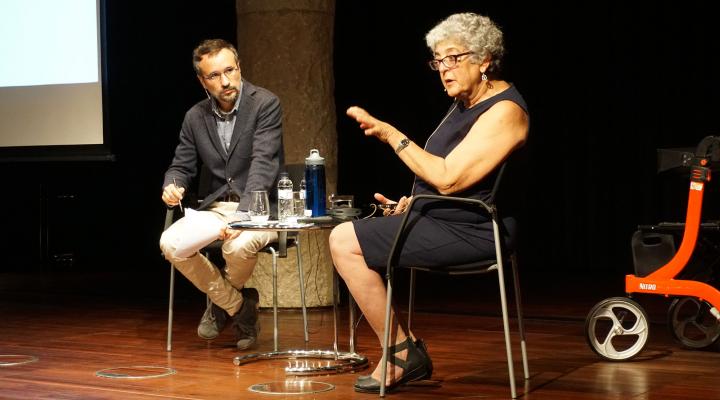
[607,84]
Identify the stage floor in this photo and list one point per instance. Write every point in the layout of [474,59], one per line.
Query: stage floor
[74,333]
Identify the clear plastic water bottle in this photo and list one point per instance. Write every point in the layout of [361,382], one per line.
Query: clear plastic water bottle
[315,180]
[303,190]
[285,197]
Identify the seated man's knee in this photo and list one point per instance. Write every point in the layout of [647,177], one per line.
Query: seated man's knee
[246,245]
[167,247]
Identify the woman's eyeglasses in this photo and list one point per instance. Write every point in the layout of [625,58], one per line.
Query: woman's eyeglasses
[449,61]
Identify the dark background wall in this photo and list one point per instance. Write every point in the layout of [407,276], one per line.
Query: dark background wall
[607,84]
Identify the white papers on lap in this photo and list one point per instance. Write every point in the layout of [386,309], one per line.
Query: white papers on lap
[206,229]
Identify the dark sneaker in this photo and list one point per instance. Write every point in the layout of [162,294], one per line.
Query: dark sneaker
[212,322]
[245,321]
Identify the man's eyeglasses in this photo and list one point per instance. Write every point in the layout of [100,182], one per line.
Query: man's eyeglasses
[449,61]
[229,72]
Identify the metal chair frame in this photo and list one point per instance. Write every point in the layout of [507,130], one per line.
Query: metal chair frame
[480,267]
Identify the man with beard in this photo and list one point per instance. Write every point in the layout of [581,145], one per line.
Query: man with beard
[236,134]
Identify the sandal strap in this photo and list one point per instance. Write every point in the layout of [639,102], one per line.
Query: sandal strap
[396,348]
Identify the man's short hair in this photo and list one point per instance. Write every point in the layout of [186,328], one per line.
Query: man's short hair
[212,47]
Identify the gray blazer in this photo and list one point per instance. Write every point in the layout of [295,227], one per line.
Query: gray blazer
[255,155]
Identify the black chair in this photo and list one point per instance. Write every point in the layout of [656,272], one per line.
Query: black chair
[479,267]
[276,250]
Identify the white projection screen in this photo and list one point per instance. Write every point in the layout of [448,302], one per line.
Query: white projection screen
[51,75]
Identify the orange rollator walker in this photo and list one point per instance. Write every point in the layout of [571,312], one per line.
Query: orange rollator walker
[617,328]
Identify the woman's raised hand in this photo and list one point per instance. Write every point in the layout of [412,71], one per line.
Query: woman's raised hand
[371,125]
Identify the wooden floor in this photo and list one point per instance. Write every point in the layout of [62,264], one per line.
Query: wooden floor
[76,332]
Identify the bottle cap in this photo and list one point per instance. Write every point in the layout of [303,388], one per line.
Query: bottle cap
[284,174]
[314,158]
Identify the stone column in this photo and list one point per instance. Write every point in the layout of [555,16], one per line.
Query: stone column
[286,46]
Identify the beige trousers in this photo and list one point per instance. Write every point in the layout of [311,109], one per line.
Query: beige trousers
[240,256]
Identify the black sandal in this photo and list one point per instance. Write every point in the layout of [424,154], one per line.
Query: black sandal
[417,366]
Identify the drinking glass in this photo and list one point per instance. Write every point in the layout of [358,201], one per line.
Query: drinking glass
[298,208]
[341,201]
[259,209]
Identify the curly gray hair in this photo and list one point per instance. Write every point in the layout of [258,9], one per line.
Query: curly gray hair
[477,33]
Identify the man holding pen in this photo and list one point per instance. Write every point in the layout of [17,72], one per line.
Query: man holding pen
[236,134]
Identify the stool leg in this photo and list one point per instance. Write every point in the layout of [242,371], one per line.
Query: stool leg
[301,274]
[275,299]
[170,308]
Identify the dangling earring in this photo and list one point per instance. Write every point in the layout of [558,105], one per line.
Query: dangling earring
[487,82]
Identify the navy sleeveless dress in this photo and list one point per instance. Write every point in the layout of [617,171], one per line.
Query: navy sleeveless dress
[442,233]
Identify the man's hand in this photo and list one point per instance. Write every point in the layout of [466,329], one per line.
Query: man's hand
[227,233]
[172,195]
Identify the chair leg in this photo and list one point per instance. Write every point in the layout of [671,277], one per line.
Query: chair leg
[351,319]
[521,324]
[411,300]
[386,338]
[335,298]
[503,306]
[171,299]
[275,299]
[301,274]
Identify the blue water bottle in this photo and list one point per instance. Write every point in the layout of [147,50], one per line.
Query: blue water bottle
[315,184]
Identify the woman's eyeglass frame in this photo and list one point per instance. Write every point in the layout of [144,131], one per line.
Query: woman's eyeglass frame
[449,61]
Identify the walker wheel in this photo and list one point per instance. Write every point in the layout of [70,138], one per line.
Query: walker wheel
[691,323]
[617,328]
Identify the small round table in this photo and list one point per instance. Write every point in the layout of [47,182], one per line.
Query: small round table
[341,361]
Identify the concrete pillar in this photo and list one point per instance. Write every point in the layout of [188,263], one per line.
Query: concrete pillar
[286,46]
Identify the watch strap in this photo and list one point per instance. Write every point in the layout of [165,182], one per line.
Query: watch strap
[402,145]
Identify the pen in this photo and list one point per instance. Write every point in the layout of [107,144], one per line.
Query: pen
[179,201]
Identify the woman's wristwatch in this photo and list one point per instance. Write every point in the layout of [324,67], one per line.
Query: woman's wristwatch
[402,145]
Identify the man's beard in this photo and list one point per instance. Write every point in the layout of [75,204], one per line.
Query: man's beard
[228,98]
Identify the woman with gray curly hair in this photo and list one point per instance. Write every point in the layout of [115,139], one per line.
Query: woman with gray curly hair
[487,121]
